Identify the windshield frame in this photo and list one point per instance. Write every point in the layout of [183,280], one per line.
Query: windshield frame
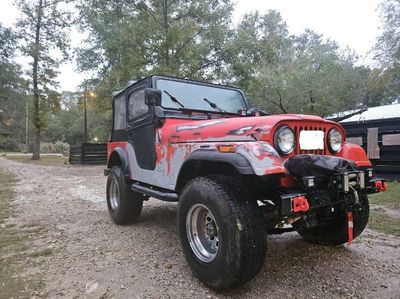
[202,83]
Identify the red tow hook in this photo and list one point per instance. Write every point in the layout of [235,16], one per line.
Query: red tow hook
[381,186]
[350,227]
[300,204]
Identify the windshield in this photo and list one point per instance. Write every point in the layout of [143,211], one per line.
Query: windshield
[177,95]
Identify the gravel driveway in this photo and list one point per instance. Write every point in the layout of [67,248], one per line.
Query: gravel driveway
[93,258]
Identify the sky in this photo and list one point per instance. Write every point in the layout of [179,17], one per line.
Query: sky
[351,23]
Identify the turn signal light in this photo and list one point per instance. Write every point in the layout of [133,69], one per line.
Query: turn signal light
[228,148]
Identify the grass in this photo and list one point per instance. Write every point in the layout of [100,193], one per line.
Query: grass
[44,160]
[383,223]
[13,247]
[379,219]
[390,198]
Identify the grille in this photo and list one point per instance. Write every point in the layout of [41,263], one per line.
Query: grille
[297,130]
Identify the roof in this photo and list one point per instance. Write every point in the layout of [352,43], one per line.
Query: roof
[130,83]
[150,77]
[373,113]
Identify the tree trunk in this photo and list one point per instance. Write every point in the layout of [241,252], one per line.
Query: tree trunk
[36,93]
[312,102]
[165,17]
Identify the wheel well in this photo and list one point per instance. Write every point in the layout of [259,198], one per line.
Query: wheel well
[114,160]
[195,168]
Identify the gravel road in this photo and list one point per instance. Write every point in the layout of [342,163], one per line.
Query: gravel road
[93,258]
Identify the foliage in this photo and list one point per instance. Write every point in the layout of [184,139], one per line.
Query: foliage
[131,39]
[58,147]
[302,74]
[42,30]
[387,52]
[67,124]
[8,143]
[12,91]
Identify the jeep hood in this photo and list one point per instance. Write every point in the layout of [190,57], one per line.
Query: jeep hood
[231,129]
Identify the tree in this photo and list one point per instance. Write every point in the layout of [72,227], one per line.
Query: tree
[387,52]
[301,74]
[42,30]
[13,90]
[258,39]
[131,39]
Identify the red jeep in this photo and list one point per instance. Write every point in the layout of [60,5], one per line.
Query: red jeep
[236,172]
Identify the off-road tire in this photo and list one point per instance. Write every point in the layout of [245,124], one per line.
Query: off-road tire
[130,202]
[336,232]
[241,231]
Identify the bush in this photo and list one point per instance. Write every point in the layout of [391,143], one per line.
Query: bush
[8,144]
[58,147]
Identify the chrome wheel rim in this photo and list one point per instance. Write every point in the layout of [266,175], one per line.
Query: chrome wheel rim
[114,194]
[202,233]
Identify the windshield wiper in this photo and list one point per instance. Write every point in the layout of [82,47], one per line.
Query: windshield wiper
[213,105]
[174,99]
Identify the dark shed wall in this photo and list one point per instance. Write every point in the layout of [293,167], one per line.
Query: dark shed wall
[386,160]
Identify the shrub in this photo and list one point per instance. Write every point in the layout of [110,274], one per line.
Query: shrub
[58,147]
[8,144]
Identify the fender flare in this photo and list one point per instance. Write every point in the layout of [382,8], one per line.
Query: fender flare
[120,153]
[355,153]
[237,161]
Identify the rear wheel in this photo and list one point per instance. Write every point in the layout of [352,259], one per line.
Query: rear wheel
[222,236]
[124,205]
[335,232]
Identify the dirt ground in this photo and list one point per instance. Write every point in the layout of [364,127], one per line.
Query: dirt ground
[93,258]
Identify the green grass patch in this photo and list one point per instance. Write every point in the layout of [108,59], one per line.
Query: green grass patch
[379,219]
[12,246]
[44,160]
[383,223]
[7,181]
[390,199]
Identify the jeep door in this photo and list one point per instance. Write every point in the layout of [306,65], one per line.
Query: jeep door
[141,127]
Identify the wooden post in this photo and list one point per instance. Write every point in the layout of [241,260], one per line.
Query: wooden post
[372,144]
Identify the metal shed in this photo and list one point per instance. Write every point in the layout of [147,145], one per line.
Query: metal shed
[377,130]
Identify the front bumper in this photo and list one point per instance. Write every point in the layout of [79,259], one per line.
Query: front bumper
[309,193]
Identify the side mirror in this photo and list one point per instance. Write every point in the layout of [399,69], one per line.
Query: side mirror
[152,97]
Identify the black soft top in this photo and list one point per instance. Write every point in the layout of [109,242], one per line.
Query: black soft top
[150,80]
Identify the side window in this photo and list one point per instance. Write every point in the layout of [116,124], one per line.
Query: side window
[136,104]
[119,112]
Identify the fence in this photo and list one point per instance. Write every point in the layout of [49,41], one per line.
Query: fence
[381,140]
[88,153]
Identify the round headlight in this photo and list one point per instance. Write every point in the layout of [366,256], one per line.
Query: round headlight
[335,140]
[284,140]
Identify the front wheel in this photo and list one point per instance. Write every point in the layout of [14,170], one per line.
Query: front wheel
[335,231]
[124,205]
[222,236]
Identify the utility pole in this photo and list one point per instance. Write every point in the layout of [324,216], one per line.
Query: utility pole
[85,106]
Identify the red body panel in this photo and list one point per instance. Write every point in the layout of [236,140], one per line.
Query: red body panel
[355,153]
[251,136]
[255,129]
[113,145]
